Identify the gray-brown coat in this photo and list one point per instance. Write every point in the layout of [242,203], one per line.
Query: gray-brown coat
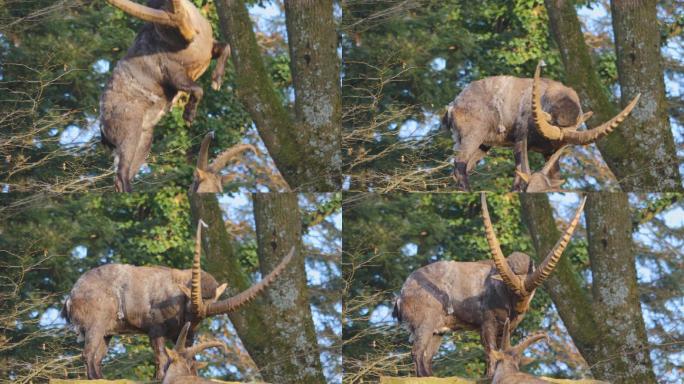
[482,295]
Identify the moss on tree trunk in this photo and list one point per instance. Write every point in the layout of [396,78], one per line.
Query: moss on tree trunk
[305,148]
[641,151]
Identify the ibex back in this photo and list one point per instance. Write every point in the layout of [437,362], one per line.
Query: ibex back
[117,299]
[168,55]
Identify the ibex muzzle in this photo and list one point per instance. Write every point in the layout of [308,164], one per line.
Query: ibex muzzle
[480,295]
[506,360]
[170,52]
[182,367]
[208,178]
[117,299]
[537,114]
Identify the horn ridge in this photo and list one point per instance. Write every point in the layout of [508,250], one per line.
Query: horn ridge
[507,275]
[549,264]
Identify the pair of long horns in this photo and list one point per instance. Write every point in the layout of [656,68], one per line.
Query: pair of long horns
[523,345]
[176,18]
[233,303]
[525,287]
[223,158]
[195,349]
[572,135]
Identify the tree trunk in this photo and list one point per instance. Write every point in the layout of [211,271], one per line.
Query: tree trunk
[276,328]
[641,162]
[624,345]
[607,327]
[306,151]
[292,345]
[564,285]
[640,70]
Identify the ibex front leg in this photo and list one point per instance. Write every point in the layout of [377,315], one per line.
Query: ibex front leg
[220,52]
[522,162]
[179,79]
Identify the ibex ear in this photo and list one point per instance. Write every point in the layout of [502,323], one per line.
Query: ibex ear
[170,352]
[497,277]
[495,355]
[219,290]
[185,290]
[200,364]
[225,179]
[522,175]
[200,174]
[547,116]
[557,183]
[586,117]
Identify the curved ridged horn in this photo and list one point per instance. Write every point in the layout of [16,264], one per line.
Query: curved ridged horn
[224,157]
[195,349]
[529,340]
[233,303]
[572,135]
[591,135]
[177,19]
[180,342]
[549,264]
[506,338]
[203,158]
[509,278]
[553,160]
[549,131]
[196,284]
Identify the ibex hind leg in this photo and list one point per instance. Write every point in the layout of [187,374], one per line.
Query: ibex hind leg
[425,346]
[179,79]
[94,352]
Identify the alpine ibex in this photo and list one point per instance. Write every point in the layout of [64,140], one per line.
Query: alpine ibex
[168,55]
[116,299]
[182,367]
[501,111]
[506,360]
[480,295]
[208,178]
[541,180]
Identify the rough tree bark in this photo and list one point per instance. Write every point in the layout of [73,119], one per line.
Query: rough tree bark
[278,228]
[614,288]
[277,328]
[306,148]
[641,152]
[606,324]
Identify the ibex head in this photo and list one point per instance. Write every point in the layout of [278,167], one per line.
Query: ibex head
[541,181]
[208,178]
[201,307]
[562,107]
[181,361]
[525,285]
[507,360]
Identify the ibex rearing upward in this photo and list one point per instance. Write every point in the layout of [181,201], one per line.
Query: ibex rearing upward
[168,55]
[501,111]
[116,299]
[480,295]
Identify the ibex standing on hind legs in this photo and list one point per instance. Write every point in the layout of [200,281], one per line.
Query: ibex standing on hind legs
[541,115]
[168,55]
[118,299]
[479,295]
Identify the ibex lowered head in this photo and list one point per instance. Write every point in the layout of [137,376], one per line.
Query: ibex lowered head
[541,180]
[479,295]
[116,299]
[537,114]
[208,178]
[182,367]
[170,52]
[506,360]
